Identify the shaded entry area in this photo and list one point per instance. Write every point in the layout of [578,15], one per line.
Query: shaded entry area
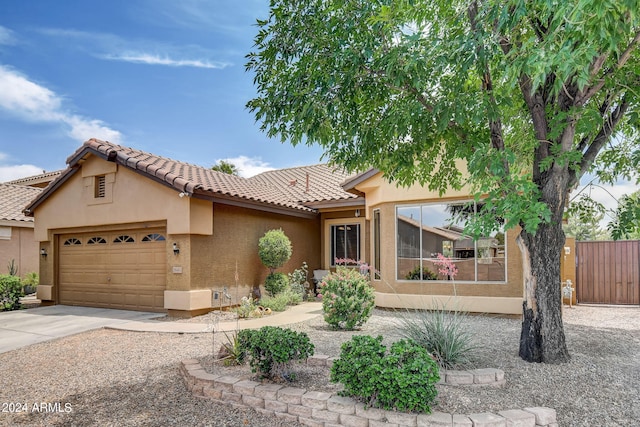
[608,272]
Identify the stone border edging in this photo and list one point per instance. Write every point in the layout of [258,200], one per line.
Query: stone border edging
[474,377]
[321,409]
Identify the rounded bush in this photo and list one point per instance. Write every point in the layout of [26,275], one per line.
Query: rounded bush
[275,283]
[274,249]
[10,292]
[403,379]
[347,298]
[271,349]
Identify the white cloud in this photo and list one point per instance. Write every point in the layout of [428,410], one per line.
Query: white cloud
[248,166]
[150,59]
[150,52]
[33,102]
[9,173]
[608,195]
[6,36]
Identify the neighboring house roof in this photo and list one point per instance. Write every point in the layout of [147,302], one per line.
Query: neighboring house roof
[308,184]
[440,231]
[13,199]
[39,181]
[273,188]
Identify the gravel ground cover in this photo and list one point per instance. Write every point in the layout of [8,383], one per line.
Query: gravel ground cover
[108,377]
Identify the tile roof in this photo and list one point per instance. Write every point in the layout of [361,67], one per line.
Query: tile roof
[286,188]
[307,183]
[13,199]
[41,180]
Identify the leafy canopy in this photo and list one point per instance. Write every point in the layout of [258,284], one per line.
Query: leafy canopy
[527,94]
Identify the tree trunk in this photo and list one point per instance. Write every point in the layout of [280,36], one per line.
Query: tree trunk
[542,338]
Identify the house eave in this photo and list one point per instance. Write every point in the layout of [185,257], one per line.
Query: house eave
[357,202]
[254,204]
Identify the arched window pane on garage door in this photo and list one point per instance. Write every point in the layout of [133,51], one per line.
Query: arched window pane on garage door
[96,241]
[72,242]
[153,237]
[124,239]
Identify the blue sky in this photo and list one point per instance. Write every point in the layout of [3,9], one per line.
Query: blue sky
[163,76]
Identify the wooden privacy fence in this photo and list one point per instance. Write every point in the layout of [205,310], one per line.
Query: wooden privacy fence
[608,272]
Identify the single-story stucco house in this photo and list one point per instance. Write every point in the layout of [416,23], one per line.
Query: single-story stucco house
[17,242]
[123,228]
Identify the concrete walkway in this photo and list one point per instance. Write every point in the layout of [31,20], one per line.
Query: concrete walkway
[294,314]
[21,328]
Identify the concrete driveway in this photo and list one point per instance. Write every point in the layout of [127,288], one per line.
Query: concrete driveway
[25,327]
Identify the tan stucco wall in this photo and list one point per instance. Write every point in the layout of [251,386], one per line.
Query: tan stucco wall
[209,262]
[568,267]
[391,292]
[130,198]
[378,191]
[22,248]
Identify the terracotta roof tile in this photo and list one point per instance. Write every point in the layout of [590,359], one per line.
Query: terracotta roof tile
[13,199]
[307,183]
[289,188]
[191,178]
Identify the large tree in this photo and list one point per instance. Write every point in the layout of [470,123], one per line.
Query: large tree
[226,167]
[531,94]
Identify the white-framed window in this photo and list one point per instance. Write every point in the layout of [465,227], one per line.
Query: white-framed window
[425,230]
[5,233]
[345,243]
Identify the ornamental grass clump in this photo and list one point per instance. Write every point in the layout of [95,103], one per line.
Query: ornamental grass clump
[347,298]
[403,379]
[443,334]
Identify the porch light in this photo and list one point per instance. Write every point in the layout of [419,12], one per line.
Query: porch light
[176,249]
[43,252]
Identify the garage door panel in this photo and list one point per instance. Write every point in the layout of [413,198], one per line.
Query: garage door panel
[124,271]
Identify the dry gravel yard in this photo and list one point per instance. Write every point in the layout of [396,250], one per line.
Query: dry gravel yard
[108,377]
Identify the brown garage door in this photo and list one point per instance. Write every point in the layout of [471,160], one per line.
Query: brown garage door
[124,269]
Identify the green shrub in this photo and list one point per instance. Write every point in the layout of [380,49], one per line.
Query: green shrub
[442,333]
[274,249]
[280,301]
[276,283]
[347,298]
[10,292]
[298,280]
[403,379]
[426,274]
[271,350]
[247,308]
[275,303]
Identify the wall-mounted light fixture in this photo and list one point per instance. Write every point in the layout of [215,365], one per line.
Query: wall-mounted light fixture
[43,253]
[176,249]
[567,250]
[357,213]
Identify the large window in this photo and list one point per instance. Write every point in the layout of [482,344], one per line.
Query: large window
[424,231]
[345,243]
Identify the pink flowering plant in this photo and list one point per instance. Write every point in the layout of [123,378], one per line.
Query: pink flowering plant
[347,298]
[447,268]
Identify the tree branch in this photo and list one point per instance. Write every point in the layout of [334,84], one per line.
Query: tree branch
[601,138]
[495,124]
[597,66]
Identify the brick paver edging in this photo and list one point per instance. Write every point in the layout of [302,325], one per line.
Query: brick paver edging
[321,409]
